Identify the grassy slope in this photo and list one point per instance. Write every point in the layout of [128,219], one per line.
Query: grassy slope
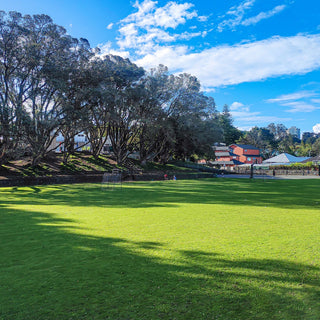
[212,249]
[78,164]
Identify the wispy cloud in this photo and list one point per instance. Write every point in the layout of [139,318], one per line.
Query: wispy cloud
[203,18]
[263,15]
[298,101]
[242,115]
[110,26]
[298,106]
[236,15]
[293,96]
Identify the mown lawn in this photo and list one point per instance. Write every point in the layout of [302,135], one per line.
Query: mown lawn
[204,249]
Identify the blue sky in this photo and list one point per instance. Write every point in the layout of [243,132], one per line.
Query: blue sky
[260,57]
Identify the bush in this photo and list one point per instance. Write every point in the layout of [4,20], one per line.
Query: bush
[297,166]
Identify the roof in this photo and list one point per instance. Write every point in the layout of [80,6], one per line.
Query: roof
[221,148]
[246,146]
[285,158]
[232,162]
[222,154]
[313,159]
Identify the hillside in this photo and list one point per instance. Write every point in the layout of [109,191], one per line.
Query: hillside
[81,164]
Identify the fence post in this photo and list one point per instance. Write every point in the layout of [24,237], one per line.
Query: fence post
[251,171]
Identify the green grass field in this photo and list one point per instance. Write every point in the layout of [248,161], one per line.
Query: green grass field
[202,249]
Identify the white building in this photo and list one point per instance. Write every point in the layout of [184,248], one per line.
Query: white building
[294,131]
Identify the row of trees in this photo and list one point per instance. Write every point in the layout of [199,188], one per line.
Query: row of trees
[275,138]
[51,83]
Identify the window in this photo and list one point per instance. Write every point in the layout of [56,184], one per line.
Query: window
[234,157]
[249,159]
[245,150]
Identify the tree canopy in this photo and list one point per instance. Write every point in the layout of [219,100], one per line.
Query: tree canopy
[52,84]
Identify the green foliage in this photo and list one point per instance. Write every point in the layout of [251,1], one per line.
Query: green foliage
[56,87]
[210,249]
[230,133]
[294,166]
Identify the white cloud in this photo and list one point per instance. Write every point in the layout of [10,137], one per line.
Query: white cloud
[229,65]
[238,12]
[110,26]
[244,128]
[189,35]
[150,25]
[203,18]
[236,105]
[106,49]
[316,128]
[169,16]
[257,119]
[242,115]
[149,36]
[298,106]
[293,96]
[298,101]
[263,15]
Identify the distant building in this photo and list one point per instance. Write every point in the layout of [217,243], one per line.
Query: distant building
[284,158]
[294,131]
[247,154]
[225,157]
[236,154]
[80,142]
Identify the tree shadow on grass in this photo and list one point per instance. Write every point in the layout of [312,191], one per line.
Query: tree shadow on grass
[301,194]
[49,271]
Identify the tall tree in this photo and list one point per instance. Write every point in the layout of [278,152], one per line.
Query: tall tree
[122,101]
[230,133]
[12,63]
[32,78]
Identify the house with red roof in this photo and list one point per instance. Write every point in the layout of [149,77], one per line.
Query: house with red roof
[236,154]
[248,154]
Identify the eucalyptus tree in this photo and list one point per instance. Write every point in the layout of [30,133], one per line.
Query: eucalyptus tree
[155,130]
[192,115]
[197,129]
[35,54]
[12,62]
[49,53]
[76,94]
[121,98]
[100,103]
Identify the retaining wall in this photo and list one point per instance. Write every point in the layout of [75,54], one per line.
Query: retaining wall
[92,178]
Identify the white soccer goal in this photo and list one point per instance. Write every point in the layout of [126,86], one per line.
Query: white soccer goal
[111,180]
